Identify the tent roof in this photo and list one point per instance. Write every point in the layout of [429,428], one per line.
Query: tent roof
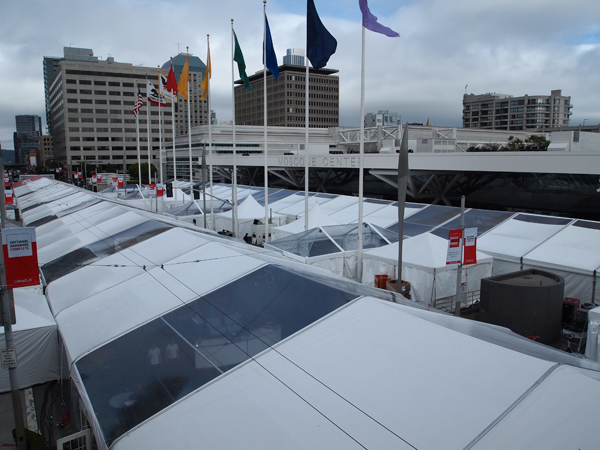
[425,250]
[316,217]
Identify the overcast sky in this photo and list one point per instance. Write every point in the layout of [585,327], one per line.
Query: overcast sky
[507,46]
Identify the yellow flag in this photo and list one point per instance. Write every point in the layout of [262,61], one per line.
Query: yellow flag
[204,84]
[182,86]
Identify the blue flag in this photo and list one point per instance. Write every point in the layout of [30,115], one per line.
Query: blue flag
[271,61]
[320,44]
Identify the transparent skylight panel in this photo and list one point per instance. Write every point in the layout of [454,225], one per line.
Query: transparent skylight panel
[475,218]
[144,371]
[433,215]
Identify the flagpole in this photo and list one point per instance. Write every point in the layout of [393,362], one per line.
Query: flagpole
[306,108]
[173,99]
[361,162]
[189,127]
[212,211]
[137,129]
[234,175]
[149,139]
[266,169]
[160,125]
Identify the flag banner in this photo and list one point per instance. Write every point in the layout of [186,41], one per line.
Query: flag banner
[454,244]
[159,189]
[94,179]
[20,257]
[207,75]
[75,175]
[172,84]
[138,104]
[99,177]
[80,175]
[163,88]
[271,60]
[115,182]
[470,253]
[153,95]
[182,86]
[152,188]
[320,44]
[8,197]
[120,182]
[369,21]
[238,57]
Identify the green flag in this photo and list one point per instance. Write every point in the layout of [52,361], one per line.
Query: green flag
[238,57]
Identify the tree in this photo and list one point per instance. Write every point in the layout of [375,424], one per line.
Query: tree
[537,142]
[133,172]
[515,144]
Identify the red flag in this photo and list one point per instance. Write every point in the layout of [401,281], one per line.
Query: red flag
[172,81]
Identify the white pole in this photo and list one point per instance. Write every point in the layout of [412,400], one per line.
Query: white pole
[160,125]
[189,127]
[149,140]
[234,176]
[306,107]
[212,211]
[361,162]
[173,128]
[137,130]
[266,168]
[459,267]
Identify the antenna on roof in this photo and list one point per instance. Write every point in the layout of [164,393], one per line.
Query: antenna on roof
[466,86]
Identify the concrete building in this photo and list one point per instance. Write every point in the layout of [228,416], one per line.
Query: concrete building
[46,151]
[294,57]
[382,119]
[91,102]
[286,98]
[27,136]
[504,112]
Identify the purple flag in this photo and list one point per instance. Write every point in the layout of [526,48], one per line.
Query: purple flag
[370,21]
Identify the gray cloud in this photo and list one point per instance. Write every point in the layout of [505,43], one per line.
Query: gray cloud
[512,47]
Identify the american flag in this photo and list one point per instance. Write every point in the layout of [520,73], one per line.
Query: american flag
[138,104]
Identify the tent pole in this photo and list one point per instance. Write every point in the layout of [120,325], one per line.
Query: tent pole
[459,267]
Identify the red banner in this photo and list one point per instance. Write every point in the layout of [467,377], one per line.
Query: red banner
[115,181]
[470,250]
[159,190]
[99,177]
[8,198]
[152,187]
[94,179]
[120,181]
[454,244]
[20,257]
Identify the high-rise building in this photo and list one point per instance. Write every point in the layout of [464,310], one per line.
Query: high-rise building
[381,119]
[91,101]
[504,112]
[294,57]
[286,98]
[27,136]
[46,152]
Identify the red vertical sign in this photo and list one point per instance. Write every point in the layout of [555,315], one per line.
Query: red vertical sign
[152,187]
[115,181]
[120,181]
[454,244]
[20,257]
[159,190]
[8,197]
[470,250]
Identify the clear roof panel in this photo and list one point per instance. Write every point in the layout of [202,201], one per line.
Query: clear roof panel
[433,215]
[410,229]
[275,196]
[546,220]
[307,244]
[72,261]
[346,236]
[481,219]
[142,372]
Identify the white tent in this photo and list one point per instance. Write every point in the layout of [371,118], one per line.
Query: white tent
[574,254]
[248,212]
[317,217]
[275,354]
[510,241]
[424,266]
[35,337]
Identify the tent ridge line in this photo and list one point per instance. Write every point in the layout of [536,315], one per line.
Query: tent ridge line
[512,406]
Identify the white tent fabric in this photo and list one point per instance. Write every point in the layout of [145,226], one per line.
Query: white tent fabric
[375,371]
[318,389]
[350,213]
[574,254]
[424,266]
[514,238]
[316,218]
[35,337]
[248,211]
[388,215]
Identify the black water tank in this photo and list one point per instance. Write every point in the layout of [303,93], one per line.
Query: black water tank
[529,302]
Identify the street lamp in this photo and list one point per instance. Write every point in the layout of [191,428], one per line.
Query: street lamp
[584,122]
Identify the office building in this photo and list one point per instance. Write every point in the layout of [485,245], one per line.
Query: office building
[91,101]
[286,98]
[46,152]
[294,57]
[504,112]
[27,136]
[381,119]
